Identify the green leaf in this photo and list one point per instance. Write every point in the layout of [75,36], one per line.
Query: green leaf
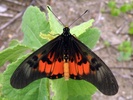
[130,30]
[34,21]
[80,29]
[35,91]
[131,24]
[112,4]
[126,50]
[13,43]
[66,90]
[124,56]
[1,76]
[125,46]
[106,43]
[126,7]
[83,97]
[55,26]
[90,37]
[115,12]
[12,53]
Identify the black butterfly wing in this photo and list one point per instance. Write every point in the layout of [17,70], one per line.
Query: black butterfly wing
[48,61]
[93,69]
[45,62]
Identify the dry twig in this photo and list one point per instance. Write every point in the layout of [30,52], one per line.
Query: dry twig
[128,68]
[16,2]
[6,15]
[99,14]
[11,21]
[121,28]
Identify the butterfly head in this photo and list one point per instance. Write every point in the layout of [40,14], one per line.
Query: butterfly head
[66,31]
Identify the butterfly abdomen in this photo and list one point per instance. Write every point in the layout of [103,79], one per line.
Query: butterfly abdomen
[66,71]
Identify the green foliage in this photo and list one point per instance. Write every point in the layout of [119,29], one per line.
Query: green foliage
[90,37]
[126,7]
[106,43]
[80,29]
[55,26]
[12,53]
[34,22]
[126,50]
[72,89]
[116,11]
[130,30]
[111,4]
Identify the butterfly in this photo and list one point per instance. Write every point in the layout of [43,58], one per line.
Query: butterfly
[65,56]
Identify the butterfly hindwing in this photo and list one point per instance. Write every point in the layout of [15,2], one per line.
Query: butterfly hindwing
[94,70]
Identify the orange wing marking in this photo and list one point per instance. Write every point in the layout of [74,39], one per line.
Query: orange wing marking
[89,57]
[51,58]
[86,68]
[58,68]
[78,57]
[73,68]
[48,67]
[41,66]
[44,66]
[39,55]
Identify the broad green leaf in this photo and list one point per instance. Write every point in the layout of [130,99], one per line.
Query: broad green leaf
[64,90]
[78,30]
[37,90]
[12,53]
[79,97]
[13,43]
[90,37]
[1,76]
[34,21]
[55,26]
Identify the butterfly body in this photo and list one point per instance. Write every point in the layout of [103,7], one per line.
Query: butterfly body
[65,56]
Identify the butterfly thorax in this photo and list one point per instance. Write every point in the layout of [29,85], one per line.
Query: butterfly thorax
[66,38]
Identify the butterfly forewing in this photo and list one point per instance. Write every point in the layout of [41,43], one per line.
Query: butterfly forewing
[45,62]
[65,56]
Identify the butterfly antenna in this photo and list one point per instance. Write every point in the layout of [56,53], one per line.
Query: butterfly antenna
[79,17]
[56,16]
